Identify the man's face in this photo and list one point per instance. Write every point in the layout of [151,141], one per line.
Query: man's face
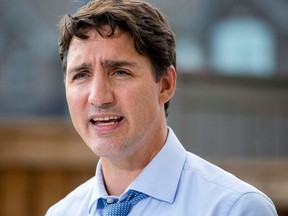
[115,104]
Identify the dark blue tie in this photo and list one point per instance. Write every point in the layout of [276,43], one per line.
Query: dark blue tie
[123,208]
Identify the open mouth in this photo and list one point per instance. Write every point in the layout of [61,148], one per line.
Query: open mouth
[107,120]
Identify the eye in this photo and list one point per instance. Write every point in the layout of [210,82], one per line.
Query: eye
[80,75]
[120,72]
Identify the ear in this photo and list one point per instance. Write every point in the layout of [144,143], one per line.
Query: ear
[168,85]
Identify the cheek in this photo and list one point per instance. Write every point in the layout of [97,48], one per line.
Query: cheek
[74,101]
[144,99]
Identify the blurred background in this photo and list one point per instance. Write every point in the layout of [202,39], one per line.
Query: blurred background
[231,103]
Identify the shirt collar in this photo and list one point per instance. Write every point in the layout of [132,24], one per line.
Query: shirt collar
[159,179]
[161,176]
[99,190]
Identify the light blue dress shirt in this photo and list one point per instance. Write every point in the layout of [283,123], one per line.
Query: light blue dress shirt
[178,183]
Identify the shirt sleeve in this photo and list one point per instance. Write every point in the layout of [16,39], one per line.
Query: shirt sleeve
[253,204]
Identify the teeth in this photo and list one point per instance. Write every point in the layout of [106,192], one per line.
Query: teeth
[106,118]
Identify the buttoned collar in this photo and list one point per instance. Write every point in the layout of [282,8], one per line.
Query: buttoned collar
[159,179]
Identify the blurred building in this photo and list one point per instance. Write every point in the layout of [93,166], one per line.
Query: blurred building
[230,37]
[232,96]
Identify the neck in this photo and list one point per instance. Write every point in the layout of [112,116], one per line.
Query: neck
[117,179]
[121,171]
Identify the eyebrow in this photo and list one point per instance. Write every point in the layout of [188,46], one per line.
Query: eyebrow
[105,64]
[116,63]
[80,67]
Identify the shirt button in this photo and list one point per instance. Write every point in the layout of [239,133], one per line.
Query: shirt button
[110,200]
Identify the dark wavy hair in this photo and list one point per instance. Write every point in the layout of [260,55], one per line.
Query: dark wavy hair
[151,32]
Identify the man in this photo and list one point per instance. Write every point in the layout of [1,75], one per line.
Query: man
[119,60]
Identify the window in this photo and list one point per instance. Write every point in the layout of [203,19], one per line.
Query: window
[243,46]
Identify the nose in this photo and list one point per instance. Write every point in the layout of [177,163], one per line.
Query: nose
[101,94]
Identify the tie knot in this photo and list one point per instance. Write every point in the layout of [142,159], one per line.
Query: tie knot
[123,208]
[135,196]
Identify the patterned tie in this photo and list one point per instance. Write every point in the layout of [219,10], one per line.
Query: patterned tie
[123,208]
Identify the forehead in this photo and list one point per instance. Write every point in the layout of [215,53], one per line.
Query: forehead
[119,46]
[120,42]
[102,37]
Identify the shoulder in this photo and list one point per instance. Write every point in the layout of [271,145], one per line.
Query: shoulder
[253,204]
[210,174]
[227,193]
[80,196]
